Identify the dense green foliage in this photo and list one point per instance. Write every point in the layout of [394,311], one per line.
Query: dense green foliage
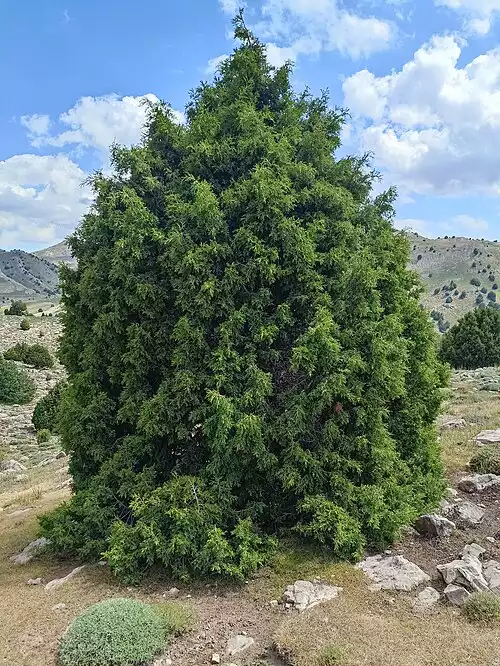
[245,345]
[25,324]
[17,308]
[115,632]
[482,607]
[474,341]
[486,460]
[36,355]
[46,412]
[43,436]
[16,387]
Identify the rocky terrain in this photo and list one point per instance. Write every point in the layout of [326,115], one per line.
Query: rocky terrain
[57,254]
[24,276]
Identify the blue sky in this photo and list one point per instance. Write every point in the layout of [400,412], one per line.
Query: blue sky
[421,79]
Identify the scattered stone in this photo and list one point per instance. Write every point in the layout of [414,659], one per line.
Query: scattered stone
[393,573]
[477,482]
[59,455]
[238,643]
[216,658]
[433,525]
[57,582]
[426,600]
[11,467]
[456,594]
[454,424]
[491,573]
[452,493]
[163,661]
[466,572]
[19,512]
[21,477]
[488,437]
[59,607]
[173,592]
[32,549]
[35,581]
[474,550]
[273,603]
[466,514]
[65,484]
[490,539]
[306,594]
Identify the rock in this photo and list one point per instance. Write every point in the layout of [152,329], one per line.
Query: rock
[491,539]
[426,599]
[59,455]
[456,595]
[57,582]
[11,467]
[472,549]
[466,514]
[273,603]
[488,437]
[454,424]
[393,573]
[216,658]
[491,573]
[173,592]
[35,581]
[238,643]
[19,512]
[59,607]
[32,549]
[305,594]
[475,483]
[433,525]
[466,572]
[163,661]
[21,477]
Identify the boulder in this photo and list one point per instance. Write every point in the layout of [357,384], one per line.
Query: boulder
[11,467]
[433,525]
[454,424]
[465,572]
[35,581]
[488,437]
[31,550]
[472,550]
[475,483]
[491,573]
[393,572]
[456,594]
[238,643]
[304,594]
[465,514]
[57,582]
[426,600]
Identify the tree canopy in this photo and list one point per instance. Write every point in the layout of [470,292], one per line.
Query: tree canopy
[246,351]
[474,341]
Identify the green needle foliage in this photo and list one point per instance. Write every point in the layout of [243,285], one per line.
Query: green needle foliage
[474,341]
[245,346]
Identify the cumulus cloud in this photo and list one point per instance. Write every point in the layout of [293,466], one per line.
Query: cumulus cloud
[459,225]
[433,125]
[41,198]
[230,6]
[307,27]
[214,63]
[478,14]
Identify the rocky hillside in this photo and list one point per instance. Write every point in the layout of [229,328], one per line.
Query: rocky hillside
[57,254]
[27,277]
[449,265]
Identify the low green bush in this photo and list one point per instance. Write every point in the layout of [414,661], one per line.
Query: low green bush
[331,655]
[43,436]
[36,355]
[45,414]
[115,632]
[18,308]
[16,386]
[25,324]
[482,607]
[486,460]
[177,618]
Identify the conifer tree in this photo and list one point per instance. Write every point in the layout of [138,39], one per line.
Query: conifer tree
[474,341]
[245,346]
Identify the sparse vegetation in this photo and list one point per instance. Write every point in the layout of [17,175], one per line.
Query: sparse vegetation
[115,632]
[482,607]
[486,460]
[473,342]
[475,282]
[25,324]
[227,395]
[16,387]
[36,355]
[18,308]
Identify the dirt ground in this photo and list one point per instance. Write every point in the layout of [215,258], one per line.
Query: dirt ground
[359,628]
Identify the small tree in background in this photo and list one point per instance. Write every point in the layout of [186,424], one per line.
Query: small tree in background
[16,387]
[245,345]
[18,308]
[25,324]
[474,342]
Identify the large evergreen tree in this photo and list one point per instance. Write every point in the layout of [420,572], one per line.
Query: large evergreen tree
[474,341]
[245,346]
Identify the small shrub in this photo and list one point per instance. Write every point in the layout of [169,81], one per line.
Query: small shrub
[492,296]
[491,277]
[449,299]
[115,632]
[419,257]
[16,387]
[41,333]
[483,290]
[331,655]
[18,308]
[176,617]
[494,286]
[473,265]
[479,299]
[40,309]
[486,460]
[476,251]
[456,292]
[45,414]
[436,291]
[482,607]
[43,436]
[475,282]
[463,294]
[36,355]
[474,341]
[25,324]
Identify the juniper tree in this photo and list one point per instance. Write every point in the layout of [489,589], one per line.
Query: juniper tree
[245,346]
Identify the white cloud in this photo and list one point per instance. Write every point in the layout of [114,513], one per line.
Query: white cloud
[307,27]
[434,126]
[214,63]
[230,6]
[36,124]
[478,14]
[41,198]
[459,225]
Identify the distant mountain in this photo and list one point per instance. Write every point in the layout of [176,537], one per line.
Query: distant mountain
[57,254]
[27,277]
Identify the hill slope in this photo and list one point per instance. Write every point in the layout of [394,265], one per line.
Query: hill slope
[57,254]
[453,262]
[26,276]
